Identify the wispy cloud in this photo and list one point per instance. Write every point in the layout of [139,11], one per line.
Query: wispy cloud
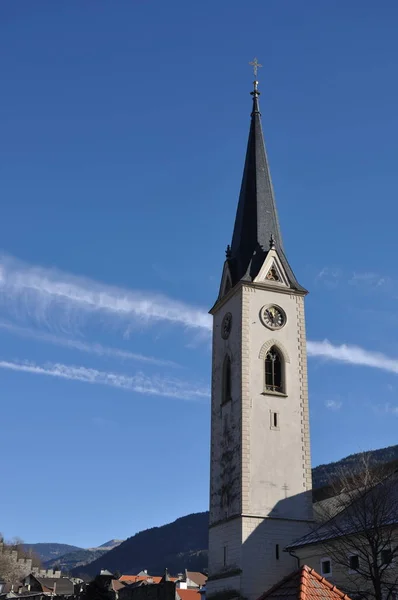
[91,348]
[386,409]
[58,299]
[353,355]
[334,405]
[140,383]
[44,294]
[373,280]
[330,276]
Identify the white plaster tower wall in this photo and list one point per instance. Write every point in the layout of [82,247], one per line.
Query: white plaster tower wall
[225,468]
[277,459]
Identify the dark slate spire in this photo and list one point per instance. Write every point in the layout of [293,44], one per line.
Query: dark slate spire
[256,218]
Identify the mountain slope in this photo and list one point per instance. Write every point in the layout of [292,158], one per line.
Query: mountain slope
[71,560]
[324,474]
[108,545]
[80,557]
[50,551]
[178,545]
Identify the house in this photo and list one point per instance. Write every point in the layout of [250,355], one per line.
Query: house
[149,590]
[105,582]
[304,584]
[49,586]
[147,587]
[354,542]
[129,579]
[195,579]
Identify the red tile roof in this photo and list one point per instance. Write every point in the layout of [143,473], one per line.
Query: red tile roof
[135,578]
[188,594]
[304,584]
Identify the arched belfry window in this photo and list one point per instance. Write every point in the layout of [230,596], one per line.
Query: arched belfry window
[274,371]
[226,380]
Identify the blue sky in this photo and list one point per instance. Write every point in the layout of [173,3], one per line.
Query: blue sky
[123,133]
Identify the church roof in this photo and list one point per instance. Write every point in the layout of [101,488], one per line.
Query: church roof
[340,510]
[304,584]
[257,217]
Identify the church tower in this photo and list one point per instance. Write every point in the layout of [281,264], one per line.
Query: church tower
[260,480]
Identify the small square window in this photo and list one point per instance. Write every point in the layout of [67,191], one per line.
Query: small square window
[354,562]
[326,567]
[386,556]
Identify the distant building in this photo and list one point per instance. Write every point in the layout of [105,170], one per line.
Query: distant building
[53,586]
[23,563]
[195,579]
[146,587]
[103,585]
[46,572]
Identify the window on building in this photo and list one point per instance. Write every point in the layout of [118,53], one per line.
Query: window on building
[225,556]
[274,371]
[354,562]
[226,380]
[277,551]
[326,567]
[386,556]
[274,420]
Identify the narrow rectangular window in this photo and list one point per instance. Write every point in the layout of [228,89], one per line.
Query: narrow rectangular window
[225,556]
[277,551]
[274,418]
[326,567]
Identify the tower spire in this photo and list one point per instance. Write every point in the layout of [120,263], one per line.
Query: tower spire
[257,217]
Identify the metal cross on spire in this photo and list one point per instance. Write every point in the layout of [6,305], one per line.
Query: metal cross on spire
[255,64]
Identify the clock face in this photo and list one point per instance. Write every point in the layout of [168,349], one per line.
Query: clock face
[273,317]
[226,325]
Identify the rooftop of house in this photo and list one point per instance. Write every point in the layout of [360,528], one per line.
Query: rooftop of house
[336,516]
[58,585]
[116,585]
[304,584]
[188,594]
[145,578]
[197,577]
[137,578]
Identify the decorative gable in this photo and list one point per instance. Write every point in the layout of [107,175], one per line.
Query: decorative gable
[226,281]
[272,271]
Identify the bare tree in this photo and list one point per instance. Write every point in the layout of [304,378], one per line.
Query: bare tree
[360,530]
